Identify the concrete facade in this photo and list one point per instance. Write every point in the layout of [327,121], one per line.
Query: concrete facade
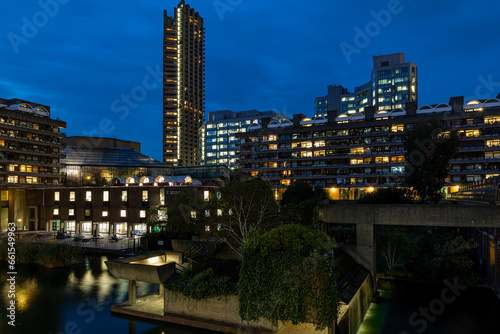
[366,217]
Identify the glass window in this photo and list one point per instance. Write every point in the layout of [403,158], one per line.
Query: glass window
[87,212]
[123,213]
[145,195]
[124,195]
[56,212]
[5,195]
[88,196]
[71,196]
[193,214]
[206,195]
[71,212]
[56,196]
[104,213]
[142,214]
[105,196]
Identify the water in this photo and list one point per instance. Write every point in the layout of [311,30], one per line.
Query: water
[402,310]
[74,300]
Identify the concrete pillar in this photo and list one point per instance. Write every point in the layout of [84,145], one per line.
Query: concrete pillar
[162,290]
[132,292]
[366,250]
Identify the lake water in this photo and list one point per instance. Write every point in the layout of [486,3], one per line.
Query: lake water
[74,300]
[77,300]
[410,308]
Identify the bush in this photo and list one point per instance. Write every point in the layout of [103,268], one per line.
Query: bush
[47,255]
[286,275]
[200,286]
[385,196]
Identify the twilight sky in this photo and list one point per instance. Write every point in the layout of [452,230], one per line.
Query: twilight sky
[82,57]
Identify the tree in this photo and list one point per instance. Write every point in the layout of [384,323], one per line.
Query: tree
[246,205]
[299,203]
[183,216]
[394,245]
[429,148]
[453,259]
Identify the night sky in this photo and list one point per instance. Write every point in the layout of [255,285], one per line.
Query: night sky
[83,56]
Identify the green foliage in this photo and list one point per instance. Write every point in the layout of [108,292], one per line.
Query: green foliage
[47,255]
[453,260]
[286,275]
[202,285]
[343,233]
[300,202]
[385,196]
[429,148]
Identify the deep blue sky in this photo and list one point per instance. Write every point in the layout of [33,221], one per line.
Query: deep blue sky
[259,55]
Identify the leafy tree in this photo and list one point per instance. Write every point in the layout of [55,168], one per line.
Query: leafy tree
[246,205]
[429,148]
[300,202]
[453,259]
[394,245]
[183,216]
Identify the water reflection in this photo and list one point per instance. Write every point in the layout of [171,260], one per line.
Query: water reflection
[75,299]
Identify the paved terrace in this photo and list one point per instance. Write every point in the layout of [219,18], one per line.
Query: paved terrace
[103,243]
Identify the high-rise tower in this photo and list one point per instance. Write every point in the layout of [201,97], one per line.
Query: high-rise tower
[183,85]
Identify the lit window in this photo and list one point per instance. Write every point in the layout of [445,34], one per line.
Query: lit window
[123,213]
[71,212]
[145,195]
[71,196]
[206,195]
[142,214]
[193,214]
[5,195]
[88,196]
[124,195]
[56,196]
[87,212]
[219,212]
[207,213]
[56,212]
[104,213]
[105,196]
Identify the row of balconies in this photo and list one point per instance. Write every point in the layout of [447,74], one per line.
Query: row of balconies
[32,130]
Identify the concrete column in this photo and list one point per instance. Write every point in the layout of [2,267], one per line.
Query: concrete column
[132,292]
[366,250]
[162,290]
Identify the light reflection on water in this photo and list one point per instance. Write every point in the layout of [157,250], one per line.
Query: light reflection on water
[75,299]
[475,310]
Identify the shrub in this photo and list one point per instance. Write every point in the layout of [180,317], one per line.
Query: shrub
[200,286]
[286,275]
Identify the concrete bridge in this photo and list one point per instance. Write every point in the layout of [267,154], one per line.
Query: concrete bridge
[367,216]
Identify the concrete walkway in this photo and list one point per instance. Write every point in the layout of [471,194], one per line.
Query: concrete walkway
[150,307]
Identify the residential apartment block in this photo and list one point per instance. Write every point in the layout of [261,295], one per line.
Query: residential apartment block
[393,83]
[218,135]
[352,154]
[183,85]
[30,155]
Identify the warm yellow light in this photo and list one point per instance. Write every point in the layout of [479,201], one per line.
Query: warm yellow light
[370,189]
[332,189]
[457,188]
[154,259]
